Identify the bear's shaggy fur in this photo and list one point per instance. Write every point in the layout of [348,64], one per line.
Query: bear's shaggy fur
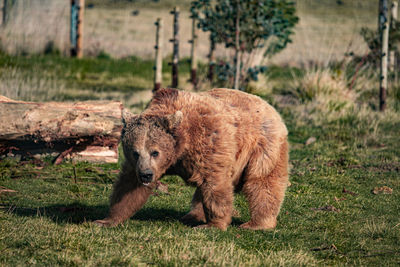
[220,141]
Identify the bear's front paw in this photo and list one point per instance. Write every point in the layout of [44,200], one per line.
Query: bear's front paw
[190,219]
[202,226]
[105,223]
[266,225]
[210,225]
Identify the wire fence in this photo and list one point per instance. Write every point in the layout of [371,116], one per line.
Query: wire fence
[327,30]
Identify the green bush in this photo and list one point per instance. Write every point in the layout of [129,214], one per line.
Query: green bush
[265,25]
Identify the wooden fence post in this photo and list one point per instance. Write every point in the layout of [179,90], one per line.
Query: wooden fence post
[175,41]
[193,55]
[159,54]
[384,35]
[76,30]
[211,62]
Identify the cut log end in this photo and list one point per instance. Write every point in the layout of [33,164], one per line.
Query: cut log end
[97,154]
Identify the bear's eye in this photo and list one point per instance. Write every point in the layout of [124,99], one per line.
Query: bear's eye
[154,154]
[135,154]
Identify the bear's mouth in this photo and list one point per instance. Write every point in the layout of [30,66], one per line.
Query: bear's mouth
[145,184]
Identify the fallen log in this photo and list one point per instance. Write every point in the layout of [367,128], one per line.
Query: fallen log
[83,131]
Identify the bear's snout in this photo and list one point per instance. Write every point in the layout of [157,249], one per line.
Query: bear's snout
[146,176]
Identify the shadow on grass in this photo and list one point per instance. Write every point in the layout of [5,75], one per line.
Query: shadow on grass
[75,213]
[78,213]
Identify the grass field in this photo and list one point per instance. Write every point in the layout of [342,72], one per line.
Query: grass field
[342,207]
[331,215]
[57,78]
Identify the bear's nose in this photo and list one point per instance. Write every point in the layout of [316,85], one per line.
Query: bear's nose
[146,176]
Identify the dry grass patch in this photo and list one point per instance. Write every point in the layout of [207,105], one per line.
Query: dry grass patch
[32,86]
[322,95]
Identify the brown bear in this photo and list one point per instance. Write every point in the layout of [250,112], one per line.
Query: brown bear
[220,141]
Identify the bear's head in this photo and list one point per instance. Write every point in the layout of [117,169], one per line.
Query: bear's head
[149,144]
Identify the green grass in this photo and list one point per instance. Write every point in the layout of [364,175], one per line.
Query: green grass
[57,78]
[47,221]
[97,74]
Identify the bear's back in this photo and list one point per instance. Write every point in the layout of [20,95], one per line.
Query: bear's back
[239,100]
[250,107]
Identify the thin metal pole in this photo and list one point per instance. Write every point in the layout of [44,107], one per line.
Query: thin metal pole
[393,20]
[211,58]
[77,11]
[4,12]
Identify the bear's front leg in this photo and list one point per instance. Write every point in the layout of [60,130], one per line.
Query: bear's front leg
[127,198]
[196,213]
[217,204]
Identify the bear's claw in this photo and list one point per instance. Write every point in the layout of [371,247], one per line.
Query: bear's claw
[211,225]
[202,226]
[104,223]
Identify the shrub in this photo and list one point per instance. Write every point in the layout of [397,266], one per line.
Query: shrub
[264,25]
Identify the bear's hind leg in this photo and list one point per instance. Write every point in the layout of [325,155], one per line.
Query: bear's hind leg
[265,194]
[196,213]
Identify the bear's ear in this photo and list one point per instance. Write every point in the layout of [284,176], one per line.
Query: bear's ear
[174,120]
[127,116]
